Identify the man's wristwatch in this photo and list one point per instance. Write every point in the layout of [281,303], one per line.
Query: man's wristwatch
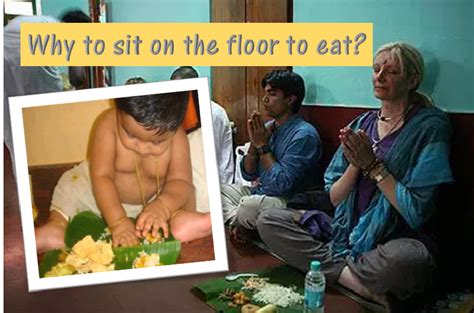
[263,150]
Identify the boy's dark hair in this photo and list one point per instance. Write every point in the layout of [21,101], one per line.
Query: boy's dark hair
[161,112]
[289,82]
[75,16]
[184,72]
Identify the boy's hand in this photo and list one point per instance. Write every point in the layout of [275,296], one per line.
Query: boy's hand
[124,234]
[151,220]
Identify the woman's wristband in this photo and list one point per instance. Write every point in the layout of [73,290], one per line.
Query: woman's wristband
[375,162]
[379,173]
[376,171]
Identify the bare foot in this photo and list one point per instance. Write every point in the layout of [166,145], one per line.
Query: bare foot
[49,237]
[186,226]
[203,227]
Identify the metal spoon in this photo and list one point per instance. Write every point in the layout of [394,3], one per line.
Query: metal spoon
[232,277]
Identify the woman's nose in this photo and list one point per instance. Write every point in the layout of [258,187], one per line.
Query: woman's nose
[380,74]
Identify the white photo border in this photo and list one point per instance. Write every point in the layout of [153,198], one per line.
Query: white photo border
[35,283]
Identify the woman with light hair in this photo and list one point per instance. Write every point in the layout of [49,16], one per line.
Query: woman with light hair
[382,181]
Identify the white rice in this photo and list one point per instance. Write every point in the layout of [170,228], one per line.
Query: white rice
[278,295]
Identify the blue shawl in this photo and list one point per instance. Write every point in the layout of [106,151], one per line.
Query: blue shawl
[419,161]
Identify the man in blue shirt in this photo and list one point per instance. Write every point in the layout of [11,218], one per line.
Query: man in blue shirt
[283,156]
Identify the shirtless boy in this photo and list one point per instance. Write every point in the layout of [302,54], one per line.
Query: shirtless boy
[139,166]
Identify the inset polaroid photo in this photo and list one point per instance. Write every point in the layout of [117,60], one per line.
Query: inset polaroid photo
[116,184]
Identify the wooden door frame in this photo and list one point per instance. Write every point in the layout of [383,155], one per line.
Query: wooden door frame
[238,89]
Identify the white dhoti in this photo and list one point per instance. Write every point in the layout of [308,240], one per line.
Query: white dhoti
[73,194]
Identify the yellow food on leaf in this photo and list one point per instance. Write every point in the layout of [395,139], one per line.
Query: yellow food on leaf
[88,256]
[84,247]
[103,254]
[96,268]
[146,260]
[149,239]
[61,269]
[62,256]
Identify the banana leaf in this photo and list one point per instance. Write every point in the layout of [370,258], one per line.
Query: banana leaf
[168,251]
[210,290]
[89,223]
[83,224]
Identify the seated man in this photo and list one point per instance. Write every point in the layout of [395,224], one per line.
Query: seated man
[282,156]
[222,131]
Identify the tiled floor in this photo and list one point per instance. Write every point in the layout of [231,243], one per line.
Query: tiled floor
[155,295]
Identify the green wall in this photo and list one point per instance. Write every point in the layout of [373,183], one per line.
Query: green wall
[155,11]
[441,29]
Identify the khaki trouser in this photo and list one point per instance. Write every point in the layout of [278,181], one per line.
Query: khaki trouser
[240,206]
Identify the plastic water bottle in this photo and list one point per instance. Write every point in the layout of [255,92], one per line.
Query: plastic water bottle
[314,287]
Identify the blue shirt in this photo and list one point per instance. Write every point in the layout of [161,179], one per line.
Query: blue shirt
[297,149]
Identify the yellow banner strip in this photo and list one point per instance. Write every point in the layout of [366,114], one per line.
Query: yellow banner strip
[199,44]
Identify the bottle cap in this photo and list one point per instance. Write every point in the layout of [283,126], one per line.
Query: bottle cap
[315,265]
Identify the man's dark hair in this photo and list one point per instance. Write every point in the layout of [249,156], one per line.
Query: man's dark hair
[289,82]
[184,72]
[135,80]
[75,16]
[161,112]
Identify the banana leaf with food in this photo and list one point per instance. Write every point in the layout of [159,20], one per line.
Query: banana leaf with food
[88,223]
[210,291]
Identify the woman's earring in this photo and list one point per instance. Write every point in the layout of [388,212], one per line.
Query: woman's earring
[265,99]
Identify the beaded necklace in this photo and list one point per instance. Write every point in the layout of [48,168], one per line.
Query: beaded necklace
[386,119]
